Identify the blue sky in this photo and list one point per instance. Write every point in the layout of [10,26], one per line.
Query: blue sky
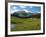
[33,9]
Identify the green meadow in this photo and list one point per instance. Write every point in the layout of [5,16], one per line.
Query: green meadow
[24,24]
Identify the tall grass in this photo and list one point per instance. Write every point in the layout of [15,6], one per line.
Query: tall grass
[25,23]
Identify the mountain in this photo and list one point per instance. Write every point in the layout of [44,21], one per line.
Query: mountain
[25,14]
[21,14]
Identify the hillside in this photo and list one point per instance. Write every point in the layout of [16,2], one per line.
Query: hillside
[24,14]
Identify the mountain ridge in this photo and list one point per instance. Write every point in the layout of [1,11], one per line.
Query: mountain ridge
[24,14]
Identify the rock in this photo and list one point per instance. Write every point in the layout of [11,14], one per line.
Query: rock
[13,26]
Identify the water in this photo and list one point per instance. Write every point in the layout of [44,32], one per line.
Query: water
[13,26]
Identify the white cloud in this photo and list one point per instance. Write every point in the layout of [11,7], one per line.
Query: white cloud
[38,12]
[14,7]
[22,6]
[26,10]
[12,11]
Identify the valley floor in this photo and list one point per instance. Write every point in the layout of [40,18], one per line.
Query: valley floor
[23,24]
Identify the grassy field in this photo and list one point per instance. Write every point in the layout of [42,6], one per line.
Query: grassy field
[23,24]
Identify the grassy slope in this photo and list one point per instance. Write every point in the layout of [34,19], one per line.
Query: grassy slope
[25,24]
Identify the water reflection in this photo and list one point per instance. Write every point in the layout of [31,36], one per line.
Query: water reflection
[13,26]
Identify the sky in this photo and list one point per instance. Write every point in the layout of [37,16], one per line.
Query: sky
[32,9]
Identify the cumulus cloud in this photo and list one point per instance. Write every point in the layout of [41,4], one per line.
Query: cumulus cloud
[38,12]
[13,8]
[22,6]
[12,11]
[25,10]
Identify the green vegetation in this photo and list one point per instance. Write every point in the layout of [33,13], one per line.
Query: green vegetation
[23,24]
